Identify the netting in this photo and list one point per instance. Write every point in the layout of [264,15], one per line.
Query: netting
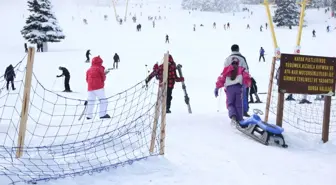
[58,144]
[307,117]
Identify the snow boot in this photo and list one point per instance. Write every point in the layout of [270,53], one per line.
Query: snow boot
[246,114]
[168,111]
[234,121]
[105,117]
[88,118]
[290,98]
[258,101]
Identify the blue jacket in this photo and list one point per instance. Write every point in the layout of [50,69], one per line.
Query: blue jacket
[262,51]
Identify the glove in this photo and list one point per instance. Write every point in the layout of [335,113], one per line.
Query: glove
[57,76]
[85,103]
[216,92]
[180,79]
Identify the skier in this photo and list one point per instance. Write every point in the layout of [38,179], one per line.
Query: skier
[314,33]
[95,77]
[172,78]
[153,24]
[167,39]
[254,91]
[228,25]
[26,47]
[266,25]
[9,76]
[248,26]
[261,27]
[214,25]
[116,60]
[262,54]
[66,74]
[234,77]
[87,54]
[243,63]
[194,27]
[328,28]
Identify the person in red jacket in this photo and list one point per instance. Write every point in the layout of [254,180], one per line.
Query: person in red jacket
[95,77]
[172,78]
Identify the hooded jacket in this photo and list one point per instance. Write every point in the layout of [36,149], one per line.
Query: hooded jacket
[242,77]
[95,76]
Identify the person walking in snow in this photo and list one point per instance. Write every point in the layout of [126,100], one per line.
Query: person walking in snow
[66,74]
[214,25]
[167,39]
[266,25]
[254,91]
[248,26]
[261,54]
[116,60]
[9,76]
[243,63]
[26,47]
[314,33]
[87,54]
[172,78]
[95,78]
[234,77]
[261,27]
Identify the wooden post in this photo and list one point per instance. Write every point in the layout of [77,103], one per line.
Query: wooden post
[115,11]
[270,88]
[280,107]
[25,102]
[326,119]
[156,118]
[126,10]
[164,103]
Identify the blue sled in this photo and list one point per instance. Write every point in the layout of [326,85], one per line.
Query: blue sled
[261,131]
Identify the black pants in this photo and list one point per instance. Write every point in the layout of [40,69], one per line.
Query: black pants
[12,82]
[167,41]
[66,83]
[261,57]
[115,65]
[87,59]
[169,97]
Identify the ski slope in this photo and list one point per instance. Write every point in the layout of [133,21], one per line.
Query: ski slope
[201,148]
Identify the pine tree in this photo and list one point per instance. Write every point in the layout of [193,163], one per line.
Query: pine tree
[287,13]
[333,7]
[41,24]
[212,5]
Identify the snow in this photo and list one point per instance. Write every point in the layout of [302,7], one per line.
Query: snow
[201,148]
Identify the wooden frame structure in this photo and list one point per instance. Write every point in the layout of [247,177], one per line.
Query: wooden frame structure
[25,103]
[161,106]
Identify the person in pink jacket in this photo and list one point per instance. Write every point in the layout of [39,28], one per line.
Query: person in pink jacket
[95,78]
[233,78]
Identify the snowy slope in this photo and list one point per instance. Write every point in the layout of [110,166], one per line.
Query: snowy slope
[202,148]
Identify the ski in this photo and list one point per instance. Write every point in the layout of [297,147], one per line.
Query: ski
[186,97]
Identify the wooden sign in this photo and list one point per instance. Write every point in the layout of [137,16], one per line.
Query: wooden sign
[303,74]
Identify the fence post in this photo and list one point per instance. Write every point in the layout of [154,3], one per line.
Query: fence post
[164,103]
[280,107]
[25,102]
[269,93]
[326,118]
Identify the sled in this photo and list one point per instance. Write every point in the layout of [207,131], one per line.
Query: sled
[261,131]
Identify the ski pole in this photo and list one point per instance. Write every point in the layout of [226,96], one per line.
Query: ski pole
[54,83]
[219,100]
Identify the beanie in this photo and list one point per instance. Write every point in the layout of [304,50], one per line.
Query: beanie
[235,47]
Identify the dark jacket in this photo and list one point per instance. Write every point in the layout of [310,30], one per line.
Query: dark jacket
[116,58]
[9,74]
[65,72]
[254,88]
[87,53]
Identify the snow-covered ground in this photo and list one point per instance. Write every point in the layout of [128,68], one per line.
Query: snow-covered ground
[202,148]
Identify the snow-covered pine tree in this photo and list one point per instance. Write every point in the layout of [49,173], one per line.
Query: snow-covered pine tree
[287,13]
[211,5]
[333,7]
[41,25]
[316,3]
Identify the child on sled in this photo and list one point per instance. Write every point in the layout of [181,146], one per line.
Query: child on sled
[232,79]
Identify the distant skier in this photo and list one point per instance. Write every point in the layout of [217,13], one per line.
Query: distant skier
[266,25]
[261,28]
[153,24]
[194,27]
[261,54]
[66,74]
[214,25]
[224,26]
[172,78]
[138,27]
[26,47]
[328,28]
[234,77]
[87,54]
[243,63]
[9,76]
[116,60]
[254,91]
[167,39]
[248,26]
[314,33]
[228,25]
[95,78]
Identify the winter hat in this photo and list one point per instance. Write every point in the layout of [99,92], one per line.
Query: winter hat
[235,47]
[97,60]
